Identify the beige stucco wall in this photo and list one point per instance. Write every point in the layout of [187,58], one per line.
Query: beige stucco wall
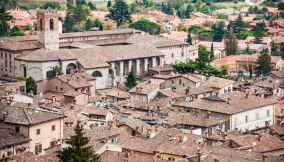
[47,135]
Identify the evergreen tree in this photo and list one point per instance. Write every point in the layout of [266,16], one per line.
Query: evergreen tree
[231,44]
[79,149]
[92,6]
[5,17]
[52,5]
[239,25]
[31,86]
[189,38]
[203,57]
[130,80]
[189,10]
[212,52]
[94,24]
[109,4]
[76,18]
[259,31]
[218,32]
[119,12]
[8,4]
[263,64]
[274,49]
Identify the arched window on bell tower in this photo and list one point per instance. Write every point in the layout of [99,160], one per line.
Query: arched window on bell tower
[51,24]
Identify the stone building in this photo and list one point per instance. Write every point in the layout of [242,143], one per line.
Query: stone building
[107,55]
[43,128]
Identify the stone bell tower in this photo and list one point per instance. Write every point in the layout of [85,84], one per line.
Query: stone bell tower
[48,28]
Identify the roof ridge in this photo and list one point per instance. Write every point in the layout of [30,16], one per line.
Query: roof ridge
[28,117]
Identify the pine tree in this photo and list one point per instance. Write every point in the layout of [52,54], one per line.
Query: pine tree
[130,80]
[79,149]
[119,12]
[263,64]
[31,86]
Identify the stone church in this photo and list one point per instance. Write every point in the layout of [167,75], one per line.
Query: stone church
[106,55]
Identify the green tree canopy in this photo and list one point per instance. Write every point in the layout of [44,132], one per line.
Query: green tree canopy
[31,86]
[238,25]
[203,56]
[189,38]
[8,4]
[119,12]
[274,49]
[146,26]
[130,80]
[15,31]
[94,24]
[259,31]
[76,18]
[218,31]
[54,5]
[263,64]
[79,149]
[5,17]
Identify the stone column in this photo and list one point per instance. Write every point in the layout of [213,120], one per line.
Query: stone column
[121,68]
[146,64]
[113,68]
[162,61]
[154,60]
[129,65]
[138,72]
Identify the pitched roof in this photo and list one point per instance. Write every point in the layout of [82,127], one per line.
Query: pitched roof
[197,120]
[118,93]
[28,116]
[217,82]
[97,56]
[147,87]
[260,143]
[237,102]
[76,80]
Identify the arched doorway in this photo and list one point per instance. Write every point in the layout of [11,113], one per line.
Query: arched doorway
[71,68]
[97,74]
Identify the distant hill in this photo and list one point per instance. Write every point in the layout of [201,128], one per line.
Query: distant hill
[39,1]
